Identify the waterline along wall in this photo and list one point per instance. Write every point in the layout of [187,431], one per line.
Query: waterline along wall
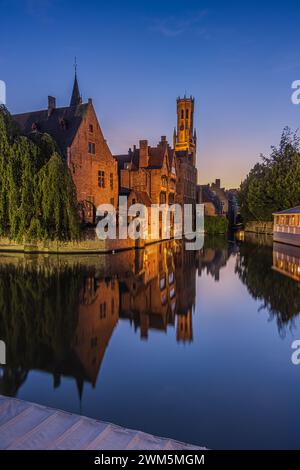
[76,247]
[259,227]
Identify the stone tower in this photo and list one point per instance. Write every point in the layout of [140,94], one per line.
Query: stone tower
[185,136]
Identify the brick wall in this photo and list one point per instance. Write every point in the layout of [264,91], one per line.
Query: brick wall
[85,164]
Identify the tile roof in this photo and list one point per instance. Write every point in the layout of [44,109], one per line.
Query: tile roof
[62,124]
[293,210]
[156,157]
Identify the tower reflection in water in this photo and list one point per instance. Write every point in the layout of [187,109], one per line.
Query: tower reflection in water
[58,314]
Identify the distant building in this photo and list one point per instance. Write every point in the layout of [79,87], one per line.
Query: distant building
[185,146]
[210,202]
[79,138]
[218,200]
[221,197]
[233,207]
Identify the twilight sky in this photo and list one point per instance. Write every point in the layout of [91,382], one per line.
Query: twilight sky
[135,57]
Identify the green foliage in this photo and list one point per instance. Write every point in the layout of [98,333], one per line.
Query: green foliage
[215,224]
[55,197]
[37,194]
[273,184]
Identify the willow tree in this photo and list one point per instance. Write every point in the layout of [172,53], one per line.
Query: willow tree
[56,215]
[21,171]
[4,157]
[37,194]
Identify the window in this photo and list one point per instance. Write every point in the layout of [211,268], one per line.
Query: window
[102,313]
[101,179]
[164,181]
[111,181]
[182,114]
[91,128]
[112,306]
[91,148]
[187,113]
[162,283]
[163,198]
[171,198]
[90,206]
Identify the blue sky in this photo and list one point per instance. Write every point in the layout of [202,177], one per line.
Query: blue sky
[134,58]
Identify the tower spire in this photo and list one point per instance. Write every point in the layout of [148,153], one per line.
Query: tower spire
[76,98]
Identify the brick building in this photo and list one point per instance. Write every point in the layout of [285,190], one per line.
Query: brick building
[79,138]
[150,170]
[161,174]
[148,175]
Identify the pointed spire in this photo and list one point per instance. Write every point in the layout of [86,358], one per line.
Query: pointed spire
[76,98]
[174,137]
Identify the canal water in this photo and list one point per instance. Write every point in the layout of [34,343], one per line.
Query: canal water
[191,346]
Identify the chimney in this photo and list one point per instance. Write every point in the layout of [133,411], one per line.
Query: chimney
[51,105]
[163,139]
[218,183]
[144,154]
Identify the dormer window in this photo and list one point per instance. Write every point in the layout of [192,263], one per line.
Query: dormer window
[63,123]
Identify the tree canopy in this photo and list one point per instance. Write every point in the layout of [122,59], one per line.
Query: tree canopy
[37,193]
[273,184]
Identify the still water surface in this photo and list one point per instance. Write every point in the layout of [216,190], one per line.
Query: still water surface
[193,346]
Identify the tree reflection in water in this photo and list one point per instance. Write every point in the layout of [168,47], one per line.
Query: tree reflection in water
[58,314]
[279,293]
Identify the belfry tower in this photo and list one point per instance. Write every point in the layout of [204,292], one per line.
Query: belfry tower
[185,139]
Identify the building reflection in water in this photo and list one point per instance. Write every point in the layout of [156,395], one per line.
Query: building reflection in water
[58,316]
[286,260]
[162,294]
[97,318]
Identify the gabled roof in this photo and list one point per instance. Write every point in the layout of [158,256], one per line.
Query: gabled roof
[156,157]
[62,124]
[143,198]
[293,210]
